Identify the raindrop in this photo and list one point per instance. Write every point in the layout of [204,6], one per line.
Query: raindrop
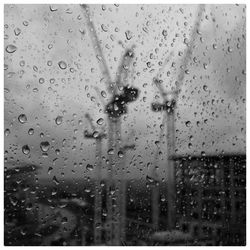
[7,132]
[25,23]
[62,65]
[120,154]
[23,231]
[11,48]
[22,63]
[149,179]
[6,90]
[44,146]
[59,120]
[100,121]
[35,68]
[49,63]
[164,33]
[52,9]
[128,35]
[163,199]
[49,170]
[104,28]
[188,123]
[64,220]
[55,180]
[103,94]
[22,118]
[26,149]
[95,134]
[31,131]
[13,201]
[17,31]
[229,49]
[111,151]
[89,167]
[41,80]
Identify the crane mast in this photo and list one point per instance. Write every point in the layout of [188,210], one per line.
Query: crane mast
[114,109]
[98,178]
[169,106]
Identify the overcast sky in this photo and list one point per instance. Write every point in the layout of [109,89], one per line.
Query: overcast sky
[212,96]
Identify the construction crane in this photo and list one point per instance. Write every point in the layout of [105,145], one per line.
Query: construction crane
[155,180]
[97,136]
[123,185]
[169,105]
[121,95]
[123,192]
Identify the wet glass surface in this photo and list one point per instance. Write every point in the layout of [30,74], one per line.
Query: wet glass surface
[124,125]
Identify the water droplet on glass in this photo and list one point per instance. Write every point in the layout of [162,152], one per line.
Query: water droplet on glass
[104,28]
[120,154]
[103,94]
[149,179]
[64,220]
[17,31]
[164,33]
[31,131]
[128,35]
[49,63]
[62,65]
[95,134]
[7,132]
[89,167]
[44,146]
[111,151]
[49,170]
[229,49]
[188,123]
[22,118]
[41,80]
[25,23]
[26,149]
[52,8]
[55,180]
[22,63]
[100,121]
[11,48]
[59,120]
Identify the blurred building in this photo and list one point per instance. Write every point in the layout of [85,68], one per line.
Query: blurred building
[211,197]
[20,210]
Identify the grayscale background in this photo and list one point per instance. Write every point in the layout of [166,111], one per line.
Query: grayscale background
[50,74]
